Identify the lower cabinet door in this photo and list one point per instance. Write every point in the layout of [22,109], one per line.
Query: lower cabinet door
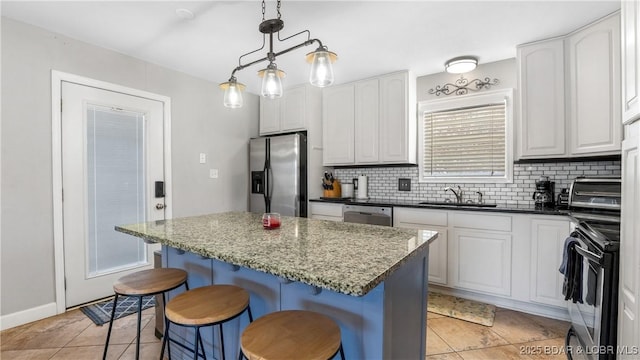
[547,242]
[481,261]
[438,257]
[437,250]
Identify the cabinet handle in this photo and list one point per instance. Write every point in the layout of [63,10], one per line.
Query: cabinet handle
[179,251]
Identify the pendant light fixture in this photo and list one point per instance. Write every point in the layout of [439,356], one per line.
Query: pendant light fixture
[321,59]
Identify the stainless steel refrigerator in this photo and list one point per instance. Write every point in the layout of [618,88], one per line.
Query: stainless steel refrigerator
[278,168]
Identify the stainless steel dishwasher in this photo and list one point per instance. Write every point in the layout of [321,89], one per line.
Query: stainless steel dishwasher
[365,214]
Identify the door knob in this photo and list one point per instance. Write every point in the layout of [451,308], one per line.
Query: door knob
[159,206]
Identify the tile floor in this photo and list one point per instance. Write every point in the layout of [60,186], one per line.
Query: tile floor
[514,335]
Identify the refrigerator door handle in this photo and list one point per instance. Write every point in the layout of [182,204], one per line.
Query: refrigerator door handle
[270,184]
[265,194]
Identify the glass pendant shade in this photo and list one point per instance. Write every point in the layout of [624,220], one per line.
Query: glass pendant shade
[271,83]
[321,74]
[232,94]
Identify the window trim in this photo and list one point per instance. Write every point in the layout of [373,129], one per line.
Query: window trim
[472,100]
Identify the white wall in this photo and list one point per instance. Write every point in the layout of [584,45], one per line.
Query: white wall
[200,123]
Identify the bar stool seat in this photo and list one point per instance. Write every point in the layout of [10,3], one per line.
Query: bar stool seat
[206,306]
[150,282]
[292,334]
[144,283]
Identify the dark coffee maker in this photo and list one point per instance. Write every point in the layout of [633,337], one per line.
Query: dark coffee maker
[544,195]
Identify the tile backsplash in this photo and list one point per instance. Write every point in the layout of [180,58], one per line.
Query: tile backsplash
[383,181]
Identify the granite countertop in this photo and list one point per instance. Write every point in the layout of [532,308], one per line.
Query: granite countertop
[526,209]
[343,257]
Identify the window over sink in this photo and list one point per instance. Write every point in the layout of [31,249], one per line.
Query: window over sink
[467,139]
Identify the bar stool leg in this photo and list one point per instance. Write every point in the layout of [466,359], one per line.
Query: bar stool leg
[240,355]
[195,344]
[139,323]
[222,342]
[204,355]
[165,340]
[341,352]
[113,314]
[250,316]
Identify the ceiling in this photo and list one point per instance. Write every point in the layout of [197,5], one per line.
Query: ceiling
[370,37]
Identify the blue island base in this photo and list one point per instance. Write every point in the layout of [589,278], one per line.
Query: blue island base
[389,322]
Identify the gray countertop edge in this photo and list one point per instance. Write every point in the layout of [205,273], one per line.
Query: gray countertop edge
[348,290]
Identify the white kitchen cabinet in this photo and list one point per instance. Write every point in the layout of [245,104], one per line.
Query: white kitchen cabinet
[269,116]
[398,131]
[480,253]
[288,113]
[293,109]
[325,211]
[368,126]
[438,251]
[541,124]
[338,125]
[629,294]
[594,88]
[367,115]
[630,56]
[547,245]
[570,93]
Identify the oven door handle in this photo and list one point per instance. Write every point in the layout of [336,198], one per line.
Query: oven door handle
[589,255]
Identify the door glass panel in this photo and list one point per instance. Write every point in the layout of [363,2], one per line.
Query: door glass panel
[115,188]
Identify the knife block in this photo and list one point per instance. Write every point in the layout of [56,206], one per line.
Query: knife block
[335,193]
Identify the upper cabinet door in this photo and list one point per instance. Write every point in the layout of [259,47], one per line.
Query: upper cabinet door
[541,124]
[269,116]
[338,125]
[630,15]
[292,109]
[367,115]
[594,80]
[397,126]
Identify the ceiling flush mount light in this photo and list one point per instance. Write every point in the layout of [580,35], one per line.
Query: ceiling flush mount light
[320,59]
[185,14]
[461,64]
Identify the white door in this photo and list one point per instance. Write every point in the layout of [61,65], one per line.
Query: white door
[112,157]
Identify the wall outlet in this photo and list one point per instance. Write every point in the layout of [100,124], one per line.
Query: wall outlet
[213,173]
[203,158]
[404,184]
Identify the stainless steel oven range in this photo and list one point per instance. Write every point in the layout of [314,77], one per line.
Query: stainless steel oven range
[591,270]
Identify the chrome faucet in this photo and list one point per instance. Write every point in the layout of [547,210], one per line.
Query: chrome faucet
[458,193]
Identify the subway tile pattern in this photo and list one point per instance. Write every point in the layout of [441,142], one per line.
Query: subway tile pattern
[383,181]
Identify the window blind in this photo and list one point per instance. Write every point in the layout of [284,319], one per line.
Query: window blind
[465,142]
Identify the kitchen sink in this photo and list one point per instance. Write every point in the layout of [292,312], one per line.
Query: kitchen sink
[445,203]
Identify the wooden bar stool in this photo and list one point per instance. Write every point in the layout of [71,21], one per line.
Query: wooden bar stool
[205,306]
[145,283]
[291,334]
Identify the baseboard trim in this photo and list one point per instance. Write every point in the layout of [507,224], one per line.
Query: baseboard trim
[26,316]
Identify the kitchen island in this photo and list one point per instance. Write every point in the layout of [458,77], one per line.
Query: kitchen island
[371,280]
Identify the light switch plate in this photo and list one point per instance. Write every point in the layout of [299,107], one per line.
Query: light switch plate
[404,184]
[213,173]
[203,158]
